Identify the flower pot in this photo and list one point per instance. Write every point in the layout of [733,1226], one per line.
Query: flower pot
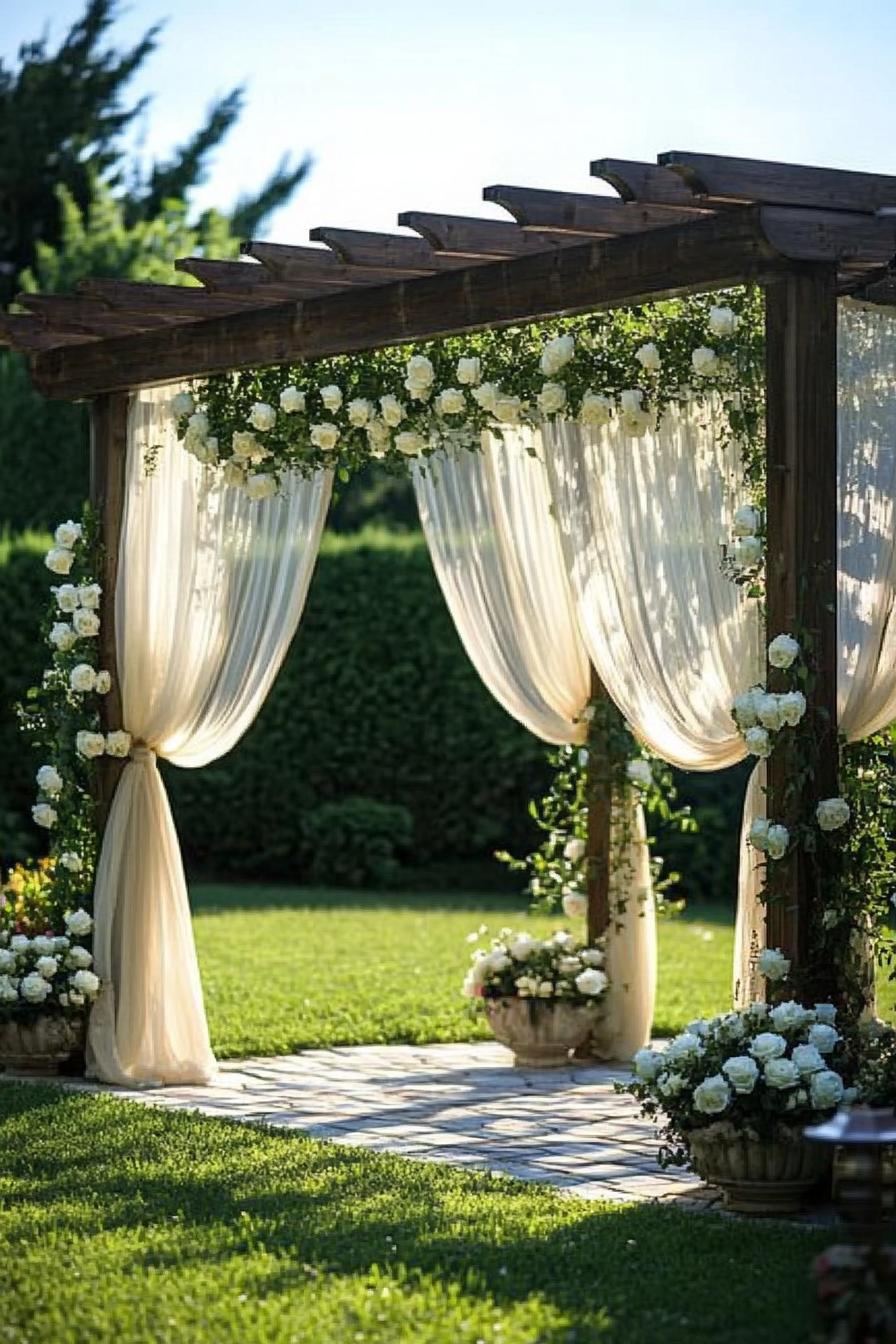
[540,1032]
[41,1046]
[756,1176]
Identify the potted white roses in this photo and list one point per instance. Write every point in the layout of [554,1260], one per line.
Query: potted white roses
[541,996]
[735,1093]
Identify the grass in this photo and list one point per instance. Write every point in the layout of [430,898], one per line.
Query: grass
[285,968]
[119,1223]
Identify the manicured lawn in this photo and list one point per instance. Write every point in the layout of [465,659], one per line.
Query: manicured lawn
[118,1223]
[291,968]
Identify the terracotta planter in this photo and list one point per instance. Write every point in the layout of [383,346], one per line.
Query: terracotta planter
[541,1033]
[756,1177]
[42,1046]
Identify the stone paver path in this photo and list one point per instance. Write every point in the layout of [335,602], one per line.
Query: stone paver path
[461,1104]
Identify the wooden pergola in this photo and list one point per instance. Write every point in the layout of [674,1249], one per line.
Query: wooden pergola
[690,222]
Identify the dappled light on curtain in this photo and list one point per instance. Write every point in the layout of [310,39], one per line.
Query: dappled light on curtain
[497,555]
[210,589]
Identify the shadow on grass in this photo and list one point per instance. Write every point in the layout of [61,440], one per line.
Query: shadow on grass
[627,1273]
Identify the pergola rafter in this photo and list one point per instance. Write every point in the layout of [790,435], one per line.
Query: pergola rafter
[690,222]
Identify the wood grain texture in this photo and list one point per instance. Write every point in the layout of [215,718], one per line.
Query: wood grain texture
[581,213]
[359,247]
[483,238]
[645,183]
[718,177]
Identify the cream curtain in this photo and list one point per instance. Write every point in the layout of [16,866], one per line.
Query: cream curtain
[210,590]
[496,551]
[866,603]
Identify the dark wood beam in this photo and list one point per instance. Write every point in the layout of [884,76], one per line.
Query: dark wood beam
[717,177]
[801,583]
[853,240]
[358,247]
[108,456]
[482,238]
[320,265]
[703,254]
[879,290]
[93,316]
[176,301]
[29,334]
[644,183]
[579,213]
[237,277]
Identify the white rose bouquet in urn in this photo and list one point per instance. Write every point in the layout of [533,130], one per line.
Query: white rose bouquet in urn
[520,966]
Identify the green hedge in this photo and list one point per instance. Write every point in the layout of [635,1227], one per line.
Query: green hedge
[376,701]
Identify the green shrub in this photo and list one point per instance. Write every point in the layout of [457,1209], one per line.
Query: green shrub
[357,843]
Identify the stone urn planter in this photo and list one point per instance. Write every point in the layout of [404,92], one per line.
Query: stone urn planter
[42,1046]
[541,1033]
[774,1177]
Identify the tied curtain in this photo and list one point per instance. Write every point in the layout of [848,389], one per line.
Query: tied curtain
[866,579]
[210,589]
[497,555]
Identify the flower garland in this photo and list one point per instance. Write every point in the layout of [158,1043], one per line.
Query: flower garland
[402,404]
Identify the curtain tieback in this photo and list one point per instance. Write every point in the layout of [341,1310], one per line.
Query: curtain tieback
[142,754]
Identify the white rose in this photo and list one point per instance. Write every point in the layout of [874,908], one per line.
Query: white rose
[768,710]
[103,683]
[742,1072]
[747,551]
[522,946]
[8,991]
[556,354]
[777,841]
[743,711]
[359,411]
[234,474]
[704,361]
[78,922]
[551,398]
[292,400]
[74,1000]
[773,964]
[758,742]
[197,425]
[826,1012]
[824,1037]
[325,436]
[182,404]
[90,594]
[34,988]
[90,744]
[793,707]
[43,945]
[781,1074]
[246,447]
[49,780]
[767,1045]
[486,396]
[420,376]
[591,982]
[788,1016]
[410,443]
[331,396]
[807,1059]
[71,861]
[746,521]
[469,370]
[261,486]
[592,956]
[723,322]
[86,983]
[7,960]
[648,357]
[731,1027]
[570,965]
[47,967]
[647,1064]
[82,678]
[378,437]
[639,772]
[758,836]
[595,410]
[44,815]
[826,1089]
[67,535]
[575,905]
[684,1046]
[78,958]
[671,1084]
[67,598]
[783,650]
[262,416]
[60,560]
[86,624]
[497,961]
[60,943]
[507,409]
[19,942]
[118,744]
[630,400]
[391,410]
[832,813]
[712,1096]
[574,850]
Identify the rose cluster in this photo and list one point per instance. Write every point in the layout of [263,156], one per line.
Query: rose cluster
[517,965]
[48,970]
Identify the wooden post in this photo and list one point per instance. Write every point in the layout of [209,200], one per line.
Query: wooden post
[597,845]
[801,574]
[108,451]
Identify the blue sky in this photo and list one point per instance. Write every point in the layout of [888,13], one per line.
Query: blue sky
[415,106]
